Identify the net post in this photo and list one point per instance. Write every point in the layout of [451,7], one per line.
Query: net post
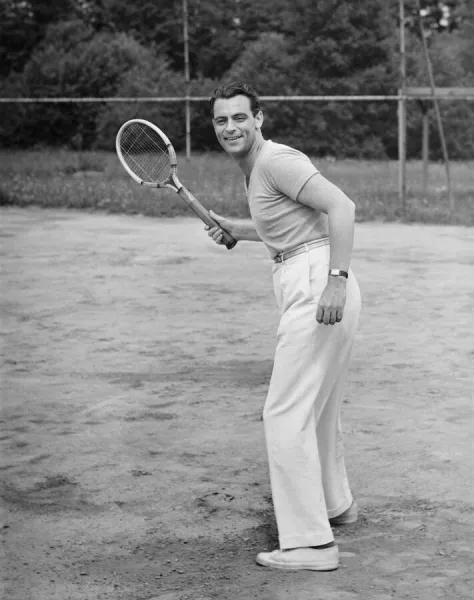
[187,103]
[425,148]
[402,128]
[429,68]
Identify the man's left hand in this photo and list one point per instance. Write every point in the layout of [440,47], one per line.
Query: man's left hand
[332,301]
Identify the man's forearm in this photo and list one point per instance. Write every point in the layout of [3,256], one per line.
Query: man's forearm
[341,235]
[245,231]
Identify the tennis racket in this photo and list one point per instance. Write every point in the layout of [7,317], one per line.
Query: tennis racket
[149,158]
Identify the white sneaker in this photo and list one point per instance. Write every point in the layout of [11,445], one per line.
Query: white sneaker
[309,559]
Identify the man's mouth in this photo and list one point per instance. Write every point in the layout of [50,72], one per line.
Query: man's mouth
[232,139]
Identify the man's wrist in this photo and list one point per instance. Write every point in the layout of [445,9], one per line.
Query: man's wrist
[239,231]
[338,273]
[337,281]
[234,232]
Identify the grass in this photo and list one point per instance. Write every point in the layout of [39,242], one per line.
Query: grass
[97,181]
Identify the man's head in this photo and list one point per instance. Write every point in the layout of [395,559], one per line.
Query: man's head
[238,88]
[237,117]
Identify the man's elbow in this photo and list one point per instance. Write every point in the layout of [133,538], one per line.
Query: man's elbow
[341,206]
[351,208]
[347,207]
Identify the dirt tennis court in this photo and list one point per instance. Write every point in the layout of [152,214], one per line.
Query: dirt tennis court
[136,357]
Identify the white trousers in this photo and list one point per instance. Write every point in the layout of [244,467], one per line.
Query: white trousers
[302,410]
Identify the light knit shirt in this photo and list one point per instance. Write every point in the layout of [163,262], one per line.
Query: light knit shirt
[278,176]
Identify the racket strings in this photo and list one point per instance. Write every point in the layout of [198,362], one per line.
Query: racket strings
[145,153]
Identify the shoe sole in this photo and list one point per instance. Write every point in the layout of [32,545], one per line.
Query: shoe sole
[298,567]
[337,523]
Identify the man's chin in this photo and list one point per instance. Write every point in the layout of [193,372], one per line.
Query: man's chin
[234,149]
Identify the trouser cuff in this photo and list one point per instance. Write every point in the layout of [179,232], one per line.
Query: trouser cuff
[335,512]
[304,541]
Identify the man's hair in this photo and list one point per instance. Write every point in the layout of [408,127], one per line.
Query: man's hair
[237,88]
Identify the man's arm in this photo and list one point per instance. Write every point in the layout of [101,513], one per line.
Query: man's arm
[239,229]
[324,196]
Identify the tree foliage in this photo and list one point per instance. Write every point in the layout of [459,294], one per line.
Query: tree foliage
[298,47]
[438,17]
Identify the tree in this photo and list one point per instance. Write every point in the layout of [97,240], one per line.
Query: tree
[72,60]
[152,76]
[218,31]
[18,35]
[438,17]
[293,47]
[23,24]
[328,47]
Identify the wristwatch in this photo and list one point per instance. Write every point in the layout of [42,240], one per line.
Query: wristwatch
[338,273]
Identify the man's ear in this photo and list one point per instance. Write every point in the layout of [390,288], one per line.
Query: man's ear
[259,119]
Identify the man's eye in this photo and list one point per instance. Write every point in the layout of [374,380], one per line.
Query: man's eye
[220,121]
[240,118]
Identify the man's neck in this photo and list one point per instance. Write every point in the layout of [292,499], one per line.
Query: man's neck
[247,162]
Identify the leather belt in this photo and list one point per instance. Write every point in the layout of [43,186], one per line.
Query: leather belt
[282,256]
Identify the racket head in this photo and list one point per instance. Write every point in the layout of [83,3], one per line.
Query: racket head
[146,153]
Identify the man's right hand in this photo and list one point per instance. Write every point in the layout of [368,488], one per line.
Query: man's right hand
[216,232]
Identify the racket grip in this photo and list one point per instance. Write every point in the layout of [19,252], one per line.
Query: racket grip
[229,241]
[205,217]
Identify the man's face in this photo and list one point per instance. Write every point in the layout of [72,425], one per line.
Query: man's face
[235,126]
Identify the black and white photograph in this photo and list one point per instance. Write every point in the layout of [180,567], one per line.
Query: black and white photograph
[236,299]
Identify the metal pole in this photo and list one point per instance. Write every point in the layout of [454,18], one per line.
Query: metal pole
[425,150]
[437,111]
[187,103]
[402,126]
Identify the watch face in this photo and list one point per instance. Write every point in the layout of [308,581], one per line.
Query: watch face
[338,273]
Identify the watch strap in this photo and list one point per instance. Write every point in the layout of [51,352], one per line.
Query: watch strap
[338,273]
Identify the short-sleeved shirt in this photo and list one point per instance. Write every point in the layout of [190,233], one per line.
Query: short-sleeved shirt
[278,176]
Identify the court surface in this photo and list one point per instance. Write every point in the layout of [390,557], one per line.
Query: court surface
[136,356]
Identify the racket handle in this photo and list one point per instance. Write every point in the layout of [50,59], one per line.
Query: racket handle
[204,215]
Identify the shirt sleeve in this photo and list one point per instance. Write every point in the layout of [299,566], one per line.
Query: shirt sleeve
[289,170]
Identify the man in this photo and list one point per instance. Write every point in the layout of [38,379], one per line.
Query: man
[307,224]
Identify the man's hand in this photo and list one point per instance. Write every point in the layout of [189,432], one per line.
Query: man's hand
[216,232]
[332,301]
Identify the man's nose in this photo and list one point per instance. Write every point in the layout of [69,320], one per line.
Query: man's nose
[230,126]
